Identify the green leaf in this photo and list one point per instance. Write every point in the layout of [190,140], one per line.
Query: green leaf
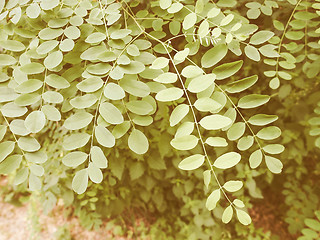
[10,164]
[201,83]
[178,114]
[227,69]
[5,149]
[37,170]
[213,199]
[33,10]
[255,158]
[274,164]
[74,159]
[35,121]
[52,97]
[169,94]
[34,182]
[215,122]
[113,91]
[49,33]
[214,55]
[134,87]
[227,214]
[189,21]
[207,178]
[91,84]
[95,37]
[233,186]
[7,60]
[269,133]
[245,143]
[262,119]
[160,63]
[273,148]
[12,45]
[12,110]
[164,4]
[241,85]
[243,217]
[53,59]
[98,157]
[192,162]
[47,46]
[110,113]
[80,181]
[76,140]
[121,129]
[227,160]
[138,142]
[252,53]
[28,144]
[95,173]
[57,81]
[191,71]
[78,120]
[216,142]
[166,78]
[37,157]
[253,100]
[139,107]
[206,104]
[261,37]
[236,131]
[104,136]
[32,68]
[51,113]
[29,86]
[187,142]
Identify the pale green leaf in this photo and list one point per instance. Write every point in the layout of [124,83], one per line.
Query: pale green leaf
[95,173]
[192,162]
[255,158]
[227,214]
[35,121]
[227,160]
[274,164]
[243,217]
[110,113]
[178,114]
[98,157]
[253,100]
[78,120]
[214,55]
[169,94]
[104,136]
[74,159]
[80,181]
[138,142]
[213,199]
[215,122]
[187,142]
[233,186]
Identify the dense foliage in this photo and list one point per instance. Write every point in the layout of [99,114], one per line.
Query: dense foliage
[183,109]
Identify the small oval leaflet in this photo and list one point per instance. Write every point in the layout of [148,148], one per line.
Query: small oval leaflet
[215,122]
[35,121]
[192,162]
[169,94]
[113,91]
[243,217]
[74,159]
[178,114]
[201,83]
[227,214]
[78,120]
[80,181]
[252,101]
[95,173]
[269,133]
[138,142]
[233,186]
[274,164]
[187,142]
[98,157]
[214,55]
[213,199]
[104,136]
[255,158]
[110,113]
[227,160]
